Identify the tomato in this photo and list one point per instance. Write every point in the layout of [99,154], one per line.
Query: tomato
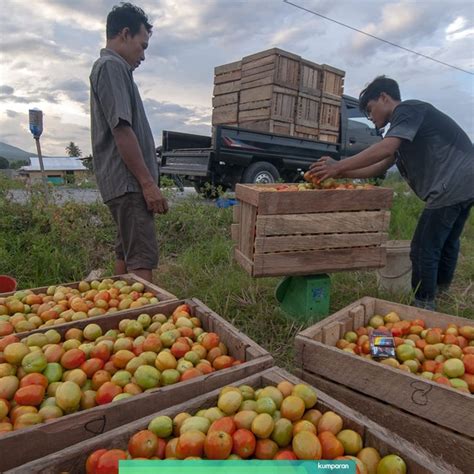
[143,444]
[92,460]
[91,366]
[30,395]
[73,358]
[34,379]
[107,392]
[108,463]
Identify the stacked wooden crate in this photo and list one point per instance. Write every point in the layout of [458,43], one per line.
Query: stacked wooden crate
[279,92]
[225,102]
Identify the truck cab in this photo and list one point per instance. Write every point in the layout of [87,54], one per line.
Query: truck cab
[237,155]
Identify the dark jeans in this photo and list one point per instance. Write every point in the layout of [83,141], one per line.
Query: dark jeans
[435,248]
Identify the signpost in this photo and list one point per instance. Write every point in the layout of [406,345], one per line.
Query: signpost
[36,128]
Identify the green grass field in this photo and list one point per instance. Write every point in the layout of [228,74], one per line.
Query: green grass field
[42,244]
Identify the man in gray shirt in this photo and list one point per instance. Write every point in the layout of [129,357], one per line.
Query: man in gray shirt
[436,158]
[122,142]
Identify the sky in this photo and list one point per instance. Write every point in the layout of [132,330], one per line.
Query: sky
[48,47]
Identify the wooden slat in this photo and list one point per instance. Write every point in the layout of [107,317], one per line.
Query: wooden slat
[48,437]
[228,77]
[72,459]
[308,111]
[318,242]
[322,223]
[446,406]
[234,233]
[236,214]
[227,88]
[331,333]
[248,218]
[341,315]
[225,114]
[318,261]
[234,66]
[243,261]
[257,93]
[454,448]
[310,78]
[225,99]
[265,65]
[255,114]
[270,202]
[258,104]
[358,316]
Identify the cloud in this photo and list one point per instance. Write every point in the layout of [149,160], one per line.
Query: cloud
[6,90]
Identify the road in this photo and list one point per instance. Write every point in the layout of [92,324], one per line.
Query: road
[86,196]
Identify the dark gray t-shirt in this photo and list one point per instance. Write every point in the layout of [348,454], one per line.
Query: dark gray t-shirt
[436,156]
[115,97]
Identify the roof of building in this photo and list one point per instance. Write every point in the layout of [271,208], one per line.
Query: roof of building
[56,163]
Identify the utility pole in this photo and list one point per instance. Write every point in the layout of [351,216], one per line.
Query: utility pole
[36,128]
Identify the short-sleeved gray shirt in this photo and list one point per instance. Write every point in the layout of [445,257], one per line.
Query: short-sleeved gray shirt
[115,98]
[436,156]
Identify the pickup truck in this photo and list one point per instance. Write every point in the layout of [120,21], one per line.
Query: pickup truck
[236,155]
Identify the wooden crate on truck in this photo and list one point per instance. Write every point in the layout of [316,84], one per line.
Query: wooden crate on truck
[73,458]
[316,231]
[45,438]
[388,391]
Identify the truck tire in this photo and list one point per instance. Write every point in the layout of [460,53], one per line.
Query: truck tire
[261,172]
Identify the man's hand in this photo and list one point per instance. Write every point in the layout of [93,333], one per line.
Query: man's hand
[326,167]
[155,201]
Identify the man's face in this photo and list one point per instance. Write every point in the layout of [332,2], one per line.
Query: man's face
[378,112]
[133,47]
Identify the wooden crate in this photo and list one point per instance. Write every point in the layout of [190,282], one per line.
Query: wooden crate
[225,114]
[130,278]
[318,231]
[316,353]
[230,72]
[273,66]
[270,126]
[46,438]
[329,117]
[332,82]
[328,136]
[308,110]
[310,78]
[73,458]
[269,102]
[448,445]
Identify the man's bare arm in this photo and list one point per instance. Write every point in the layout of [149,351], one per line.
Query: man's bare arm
[372,171]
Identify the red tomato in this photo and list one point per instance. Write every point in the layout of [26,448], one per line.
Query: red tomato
[108,463]
[92,460]
[107,392]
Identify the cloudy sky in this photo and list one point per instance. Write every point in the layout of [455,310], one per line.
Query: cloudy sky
[48,47]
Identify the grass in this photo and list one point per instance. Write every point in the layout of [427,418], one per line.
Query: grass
[42,244]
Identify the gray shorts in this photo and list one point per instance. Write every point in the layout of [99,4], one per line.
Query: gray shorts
[136,235]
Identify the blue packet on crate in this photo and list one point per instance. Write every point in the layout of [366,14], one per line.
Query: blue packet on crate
[382,345]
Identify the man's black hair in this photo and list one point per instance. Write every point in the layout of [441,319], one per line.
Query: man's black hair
[375,88]
[126,15]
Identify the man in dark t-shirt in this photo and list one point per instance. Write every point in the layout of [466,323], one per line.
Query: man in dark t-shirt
[436,158]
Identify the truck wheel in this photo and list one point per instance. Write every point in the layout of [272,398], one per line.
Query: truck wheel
[261,172]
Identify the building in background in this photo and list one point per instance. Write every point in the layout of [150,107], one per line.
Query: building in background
[58,169]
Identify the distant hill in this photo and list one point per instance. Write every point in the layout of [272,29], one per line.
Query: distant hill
[12,153]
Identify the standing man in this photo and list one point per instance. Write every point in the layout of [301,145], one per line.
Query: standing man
[436,158]
[122,143]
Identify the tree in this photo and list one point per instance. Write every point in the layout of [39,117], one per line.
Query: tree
[73,150]
[88,163]
[4,163]
[16,165]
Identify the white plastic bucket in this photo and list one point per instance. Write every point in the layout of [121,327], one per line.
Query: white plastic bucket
[395,277]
